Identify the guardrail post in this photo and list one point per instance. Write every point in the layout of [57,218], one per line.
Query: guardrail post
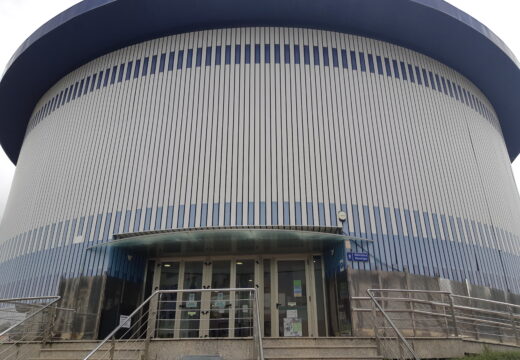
[513,323]
[112,347]
[454,317]
[146,348]
[376,330]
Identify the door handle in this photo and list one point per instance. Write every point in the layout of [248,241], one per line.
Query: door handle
[278,306]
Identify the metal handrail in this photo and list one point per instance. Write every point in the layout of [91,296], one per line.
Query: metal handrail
[157,292]
[399,335]
[56,299]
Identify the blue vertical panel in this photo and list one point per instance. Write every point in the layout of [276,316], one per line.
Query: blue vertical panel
[396,69]
[240,213]
[193,215]
[204,215]
[88,228]
[180,59]
[247,54]
[137,68]
[267,53]
[450,249]
[189,58]
[137,220]
[126,226]
[162,62]
[169,217]
[147,218]
[158,218]
[227,55]
[362,64]
[335,62]
[460,264]
[310,215]
[153,66]
[277,55]
[371,66]
[297,54]
[410,70]
[180,217]
[325,52]
[287,53]
[121,73]
[106,230]
[321,214]
[370,245]
[402,248]
[470,261]
[344,61]
[433,251]
[443,263]
[251,213]
[237,54]
[333,214]
[395,256]
[355,217]
[274,213]
[257,53]
[263,213]
[286,213]
[97,228]
[387,67]
[306,55]
[227,214]
[298,212]
[128,71]
[418,75]
[117,223]
[403,71]
[208,55]
[424,263]
[353,61]
[425,78]
[112,78]
[411,244]
[215,214]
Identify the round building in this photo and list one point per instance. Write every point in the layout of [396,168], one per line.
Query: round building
[296,147]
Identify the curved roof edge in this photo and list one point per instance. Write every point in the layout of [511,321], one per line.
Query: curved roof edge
[94,27]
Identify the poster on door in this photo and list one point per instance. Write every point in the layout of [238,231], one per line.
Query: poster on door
[292,327]
[297,285]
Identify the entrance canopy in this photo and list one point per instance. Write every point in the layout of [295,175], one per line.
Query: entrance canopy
[266,239]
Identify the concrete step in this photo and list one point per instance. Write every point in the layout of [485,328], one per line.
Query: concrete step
[320,348]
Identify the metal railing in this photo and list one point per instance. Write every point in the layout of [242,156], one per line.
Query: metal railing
[436,314]
[181,314]
[24,321]
[390,342]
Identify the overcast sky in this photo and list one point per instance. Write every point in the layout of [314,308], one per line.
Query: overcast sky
[20,18]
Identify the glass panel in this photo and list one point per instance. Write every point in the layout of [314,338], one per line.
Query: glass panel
[168,303]
[190,307]
[245,270]
[219,313]
[320,301]
[292,298]
[267,297]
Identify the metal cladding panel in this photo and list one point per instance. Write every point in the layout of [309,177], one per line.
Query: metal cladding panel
[263,126]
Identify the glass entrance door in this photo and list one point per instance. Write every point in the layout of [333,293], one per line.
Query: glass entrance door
[292,306]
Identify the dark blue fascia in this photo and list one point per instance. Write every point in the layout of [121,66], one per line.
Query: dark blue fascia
[94,27]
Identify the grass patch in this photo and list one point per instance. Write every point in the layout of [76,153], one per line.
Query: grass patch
[492,355]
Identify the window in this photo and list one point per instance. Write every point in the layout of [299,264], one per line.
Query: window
[438,83]
[208,56]
[180,59]
[287,53]
[189,58]
[171,60]
[371,63]
[379,65]
[444,85]
[325,56]
[60,99]
[137,68]
[276,53]
[70,93]
[410,70]
[247,54]
[218,55]
[121,73]
[75,91]
[267,53]
[296,54]
[387,67]
[344,61]
[449,88]
[334,57]
[146,60]
[129,71]
[237,54]
[257,54]
[396,68]
[154,65]
[227,59]
[162,62]
[362,64]
[306,55]
[353,61]
[114,74]
[403,71]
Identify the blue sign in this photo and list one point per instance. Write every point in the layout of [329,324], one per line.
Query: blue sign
[357,256]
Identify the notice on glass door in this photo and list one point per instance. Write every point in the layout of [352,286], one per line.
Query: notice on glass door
[297,284]
[292,327]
